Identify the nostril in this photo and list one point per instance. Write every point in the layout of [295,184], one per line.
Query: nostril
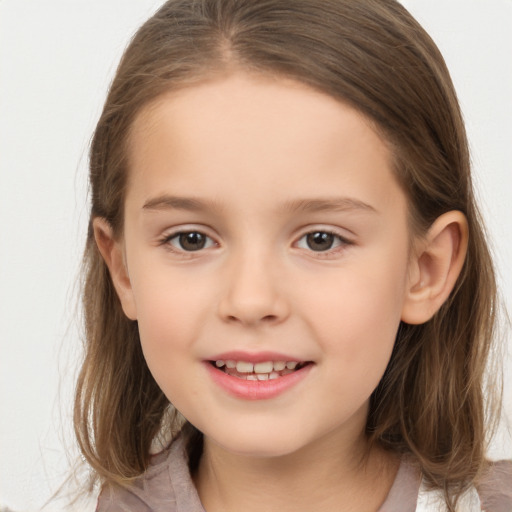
[266,318]
[253,309]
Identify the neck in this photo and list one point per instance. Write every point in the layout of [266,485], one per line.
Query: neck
[328,475]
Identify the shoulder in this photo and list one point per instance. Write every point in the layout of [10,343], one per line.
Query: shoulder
[409,492]
[495,489]
[492,494]
[165,486]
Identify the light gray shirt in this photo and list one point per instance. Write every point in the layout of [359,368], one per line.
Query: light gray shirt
[167,487]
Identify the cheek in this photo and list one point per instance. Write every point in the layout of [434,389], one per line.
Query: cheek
[170,315]
[357,315]
[167,300]
[167,329]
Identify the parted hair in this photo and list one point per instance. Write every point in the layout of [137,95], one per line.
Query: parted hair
[432,401]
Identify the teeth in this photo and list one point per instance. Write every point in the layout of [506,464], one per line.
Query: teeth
[244,367]
[252,377]
[265,367]
[264,370]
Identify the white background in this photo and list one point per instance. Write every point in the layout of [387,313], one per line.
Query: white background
[56,60]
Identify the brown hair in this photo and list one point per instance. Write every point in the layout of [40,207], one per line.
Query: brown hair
[374,56]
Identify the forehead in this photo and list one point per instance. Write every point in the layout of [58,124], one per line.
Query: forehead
[252,136]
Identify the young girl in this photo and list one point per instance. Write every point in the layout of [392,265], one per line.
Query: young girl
[289,299]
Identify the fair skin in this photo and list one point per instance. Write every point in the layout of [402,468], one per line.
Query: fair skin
[263,217]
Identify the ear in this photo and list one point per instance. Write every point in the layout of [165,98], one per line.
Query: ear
[113,253]
[434,267]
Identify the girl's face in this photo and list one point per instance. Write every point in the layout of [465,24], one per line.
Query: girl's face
[263,226]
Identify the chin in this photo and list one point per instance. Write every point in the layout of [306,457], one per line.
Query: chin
[257,442]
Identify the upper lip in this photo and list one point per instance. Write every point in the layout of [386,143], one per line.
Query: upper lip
[254,357]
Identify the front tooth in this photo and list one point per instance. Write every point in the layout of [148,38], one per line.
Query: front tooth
[262,376]
[244,367]
[265,367]
[279,365]
[219,363]
[252,377]
[273,375]
[291,365]
[230,363]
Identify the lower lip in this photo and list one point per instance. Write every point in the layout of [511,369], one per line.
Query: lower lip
[256,389]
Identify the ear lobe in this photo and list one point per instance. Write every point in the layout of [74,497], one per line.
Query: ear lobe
[435,267]
[113,254]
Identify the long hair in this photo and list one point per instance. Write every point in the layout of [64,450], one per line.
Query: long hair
[372,55]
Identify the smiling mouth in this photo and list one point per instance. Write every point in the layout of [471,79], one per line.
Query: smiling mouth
[266,370]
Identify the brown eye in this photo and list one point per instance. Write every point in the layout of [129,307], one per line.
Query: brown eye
[320,241]
[190,241]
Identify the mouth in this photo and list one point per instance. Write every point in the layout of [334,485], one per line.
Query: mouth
[261,371]
[262,376]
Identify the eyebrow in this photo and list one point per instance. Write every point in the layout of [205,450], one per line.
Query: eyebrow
[192,204]
[167,202]
[339,204]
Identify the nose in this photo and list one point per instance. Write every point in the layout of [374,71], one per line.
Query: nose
[253,294]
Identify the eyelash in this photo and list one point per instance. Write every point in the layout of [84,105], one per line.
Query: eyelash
[340,242]
[168,239]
